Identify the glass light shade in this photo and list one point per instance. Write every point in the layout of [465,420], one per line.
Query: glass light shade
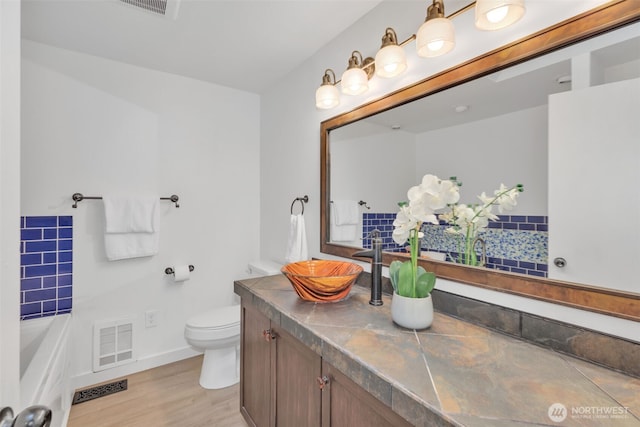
[435,37]
[327,96]
[497,14]
[354,81]
[390,61]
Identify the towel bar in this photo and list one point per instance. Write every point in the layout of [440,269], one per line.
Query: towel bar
[361,203]
[78,197]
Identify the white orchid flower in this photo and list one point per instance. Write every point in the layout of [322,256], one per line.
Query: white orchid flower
[403,224]
[436,193]
[507,198]
[422,212]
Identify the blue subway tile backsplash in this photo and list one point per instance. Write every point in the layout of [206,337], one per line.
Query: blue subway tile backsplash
[46,265]
[515,243]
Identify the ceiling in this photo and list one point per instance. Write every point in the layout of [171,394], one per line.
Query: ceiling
[247,45]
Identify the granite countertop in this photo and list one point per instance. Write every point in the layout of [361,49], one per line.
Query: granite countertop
[455,372]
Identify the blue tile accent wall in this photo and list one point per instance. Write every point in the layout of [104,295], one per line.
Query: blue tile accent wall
[516,243]
[46,265]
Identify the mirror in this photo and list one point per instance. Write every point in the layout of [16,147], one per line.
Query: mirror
[366,134]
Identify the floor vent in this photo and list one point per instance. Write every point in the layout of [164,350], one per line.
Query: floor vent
[99,391]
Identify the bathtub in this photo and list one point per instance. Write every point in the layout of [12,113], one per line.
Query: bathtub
[44,365]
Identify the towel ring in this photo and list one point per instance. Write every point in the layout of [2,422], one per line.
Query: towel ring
[302,201]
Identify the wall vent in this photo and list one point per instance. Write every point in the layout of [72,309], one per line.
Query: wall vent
[113,343]
[168,8]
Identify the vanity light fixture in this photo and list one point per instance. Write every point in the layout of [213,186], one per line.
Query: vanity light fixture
[355,80]
[436,36]
[390,59]
[327,95]
[497,14]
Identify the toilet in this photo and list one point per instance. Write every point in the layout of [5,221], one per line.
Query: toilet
[217,333]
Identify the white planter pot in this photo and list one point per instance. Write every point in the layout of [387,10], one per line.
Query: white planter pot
[412,313]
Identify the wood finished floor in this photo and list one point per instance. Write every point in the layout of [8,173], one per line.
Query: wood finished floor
[165,396]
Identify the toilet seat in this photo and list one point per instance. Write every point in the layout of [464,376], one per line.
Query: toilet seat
[214,328]
[218,318]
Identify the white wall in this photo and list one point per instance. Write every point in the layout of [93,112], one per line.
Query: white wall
[290,156]
[509,149]
[9,203]
[96,126]
[382,174]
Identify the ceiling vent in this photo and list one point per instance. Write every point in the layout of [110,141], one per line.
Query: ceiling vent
[168,8]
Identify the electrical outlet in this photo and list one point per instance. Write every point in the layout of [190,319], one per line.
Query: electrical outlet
[151,318]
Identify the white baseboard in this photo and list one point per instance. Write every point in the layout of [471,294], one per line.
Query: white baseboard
[142,364]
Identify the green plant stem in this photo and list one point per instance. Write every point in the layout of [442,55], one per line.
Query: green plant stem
[413,242]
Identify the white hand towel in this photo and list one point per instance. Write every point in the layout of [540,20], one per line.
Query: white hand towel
[297,242]
[132,226]
[130,214]
[343,232]
[346,212]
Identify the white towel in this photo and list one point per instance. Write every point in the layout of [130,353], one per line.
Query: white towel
[346,212]
[343,232]
[132,226]
[297,242]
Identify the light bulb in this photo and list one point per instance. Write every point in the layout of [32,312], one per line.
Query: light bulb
[435,37]
[496,15]
[435,45]
[390,61]
[390,68]
[327,96]
[354,81]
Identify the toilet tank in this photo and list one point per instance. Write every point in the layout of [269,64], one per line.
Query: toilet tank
[263,268]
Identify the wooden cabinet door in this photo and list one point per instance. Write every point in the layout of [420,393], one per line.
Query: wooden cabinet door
[346,404]
[256,369]
[298,396]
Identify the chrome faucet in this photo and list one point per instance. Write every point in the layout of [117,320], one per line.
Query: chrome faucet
[375,253]
[483,257]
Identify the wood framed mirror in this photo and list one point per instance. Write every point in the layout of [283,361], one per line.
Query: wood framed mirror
[598,299]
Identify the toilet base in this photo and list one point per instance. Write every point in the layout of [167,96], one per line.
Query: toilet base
[220,368]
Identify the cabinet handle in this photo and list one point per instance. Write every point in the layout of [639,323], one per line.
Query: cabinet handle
[268,335]
[322,381]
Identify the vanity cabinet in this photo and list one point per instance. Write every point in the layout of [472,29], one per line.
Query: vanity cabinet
[278,375]
[284,383]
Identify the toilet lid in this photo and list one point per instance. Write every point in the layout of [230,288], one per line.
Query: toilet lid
[222,317]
